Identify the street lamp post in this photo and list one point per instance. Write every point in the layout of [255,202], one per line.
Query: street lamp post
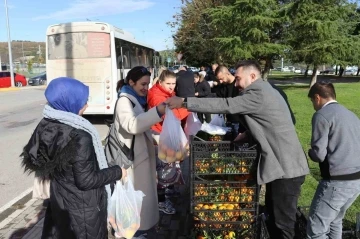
[9,46]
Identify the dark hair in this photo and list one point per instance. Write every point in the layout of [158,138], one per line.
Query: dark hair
[165,74]
[134,74]
[219,69]
[324,89]
[248,64]
[196,74]
[119,85]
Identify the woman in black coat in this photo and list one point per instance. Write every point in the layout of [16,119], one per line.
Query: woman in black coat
[66,149]
[202,90]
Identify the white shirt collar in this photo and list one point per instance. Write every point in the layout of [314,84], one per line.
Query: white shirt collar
[329,102]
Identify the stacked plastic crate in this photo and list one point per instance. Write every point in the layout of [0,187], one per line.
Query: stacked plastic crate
[224,194]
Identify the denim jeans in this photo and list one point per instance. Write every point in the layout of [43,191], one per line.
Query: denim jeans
[331,200]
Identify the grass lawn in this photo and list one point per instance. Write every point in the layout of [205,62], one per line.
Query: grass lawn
[348,94]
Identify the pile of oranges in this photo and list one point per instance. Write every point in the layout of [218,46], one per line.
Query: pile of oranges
[224,194]
[221,212]
[219,166]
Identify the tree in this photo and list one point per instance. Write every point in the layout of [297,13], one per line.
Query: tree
[251,29]
[320,32]
[30,65]
[194,36]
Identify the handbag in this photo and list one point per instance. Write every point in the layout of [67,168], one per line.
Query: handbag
[117,152]
[168,174]
[41,188]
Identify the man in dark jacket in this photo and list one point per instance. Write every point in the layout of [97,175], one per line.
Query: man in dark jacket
[211,77]
[185,83]
[227,89]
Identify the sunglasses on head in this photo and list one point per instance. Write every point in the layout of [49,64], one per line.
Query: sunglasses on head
[144,70]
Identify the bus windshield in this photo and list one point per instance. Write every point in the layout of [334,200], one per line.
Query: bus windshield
[79,45]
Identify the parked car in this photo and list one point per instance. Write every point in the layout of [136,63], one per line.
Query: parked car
[328,72]
[5,79]
[297,71]
[38,80]
[349,72]
[193,69]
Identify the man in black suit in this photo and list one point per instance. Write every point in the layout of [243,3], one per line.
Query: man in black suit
[185,83]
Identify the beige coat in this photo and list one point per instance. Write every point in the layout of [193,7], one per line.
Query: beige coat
[131,121]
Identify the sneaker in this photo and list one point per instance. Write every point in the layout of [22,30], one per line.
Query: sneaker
[167,207]
[171,193]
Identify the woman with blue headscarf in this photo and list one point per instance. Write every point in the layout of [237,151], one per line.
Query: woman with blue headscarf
[67,149]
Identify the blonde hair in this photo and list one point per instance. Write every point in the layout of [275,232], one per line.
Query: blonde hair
[163,68]
[166,74]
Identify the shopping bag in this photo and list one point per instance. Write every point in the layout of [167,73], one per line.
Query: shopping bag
[173,143]
[125,208]
[218,120]
[193,125]
[41,188]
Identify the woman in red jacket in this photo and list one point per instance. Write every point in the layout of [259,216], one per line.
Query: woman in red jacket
[162,90]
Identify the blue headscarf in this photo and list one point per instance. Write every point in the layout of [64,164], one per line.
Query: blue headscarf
[67,94]
[129,90]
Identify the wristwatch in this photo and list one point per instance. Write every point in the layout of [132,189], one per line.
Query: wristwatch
[184,104]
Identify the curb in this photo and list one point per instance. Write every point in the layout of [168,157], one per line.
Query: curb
[10,89]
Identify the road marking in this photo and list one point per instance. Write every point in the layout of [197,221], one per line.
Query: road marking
[15,214]
[8,89]
[9,204]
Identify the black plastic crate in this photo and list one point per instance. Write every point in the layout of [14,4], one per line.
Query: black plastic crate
[253,228]
[243,193]
[219,158]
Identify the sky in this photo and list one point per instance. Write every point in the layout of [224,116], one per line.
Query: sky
[145,19]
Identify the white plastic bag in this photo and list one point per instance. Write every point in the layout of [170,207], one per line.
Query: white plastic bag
[124,209]
[173,143]
[214,129]
[218,120]
[193,125]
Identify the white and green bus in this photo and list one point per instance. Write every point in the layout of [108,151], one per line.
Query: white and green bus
[98,54]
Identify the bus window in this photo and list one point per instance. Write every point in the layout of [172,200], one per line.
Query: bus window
[79,45]
[126,54]
[118,53]
[134,55]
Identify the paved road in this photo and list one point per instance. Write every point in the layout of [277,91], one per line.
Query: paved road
[20,112]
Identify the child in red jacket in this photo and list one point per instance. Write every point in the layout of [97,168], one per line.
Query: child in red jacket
[162,90]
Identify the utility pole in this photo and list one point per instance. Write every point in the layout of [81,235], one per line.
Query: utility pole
[9,46]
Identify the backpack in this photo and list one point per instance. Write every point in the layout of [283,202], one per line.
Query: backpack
[116,152]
